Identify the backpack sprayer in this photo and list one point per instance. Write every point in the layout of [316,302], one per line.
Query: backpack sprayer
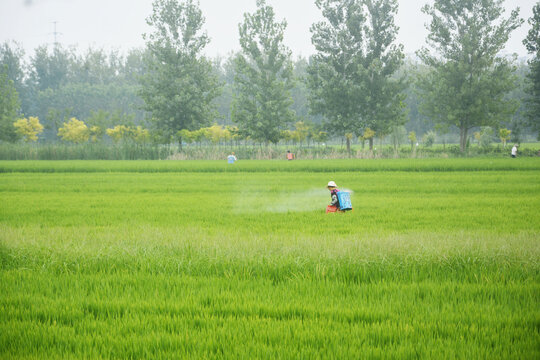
[344,200]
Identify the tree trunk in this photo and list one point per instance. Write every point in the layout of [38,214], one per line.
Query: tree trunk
[463,138]
[348,146]
[371,144]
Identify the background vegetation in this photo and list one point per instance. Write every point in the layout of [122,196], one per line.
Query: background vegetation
[359,88]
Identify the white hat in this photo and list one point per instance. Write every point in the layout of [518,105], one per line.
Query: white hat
[332,183]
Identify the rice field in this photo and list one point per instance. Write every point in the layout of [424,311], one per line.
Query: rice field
[201,259]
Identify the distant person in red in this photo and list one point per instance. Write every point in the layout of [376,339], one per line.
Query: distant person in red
[290,155]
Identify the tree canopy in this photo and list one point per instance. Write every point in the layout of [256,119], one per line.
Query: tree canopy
[335,72]
[468,81]
[179,84]
[350,76]
[264,77]
[9,106]
[532,43]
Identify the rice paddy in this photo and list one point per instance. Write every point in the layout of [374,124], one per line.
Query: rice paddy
[141,259]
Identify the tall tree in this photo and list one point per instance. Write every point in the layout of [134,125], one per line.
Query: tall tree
[384,96]
[49,69]
[12,55]
[352,76]
[180,85]
[532,42]
[264,77]
[336,73]
[9,106]
[97,67]
[468,82]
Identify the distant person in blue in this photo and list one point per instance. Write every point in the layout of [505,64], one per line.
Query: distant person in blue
[231,158]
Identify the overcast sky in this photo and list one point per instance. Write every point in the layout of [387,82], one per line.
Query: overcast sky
[118,24]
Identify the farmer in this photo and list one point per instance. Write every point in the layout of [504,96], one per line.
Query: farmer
[231,158]
[514,150]
[334,203]
[290,155]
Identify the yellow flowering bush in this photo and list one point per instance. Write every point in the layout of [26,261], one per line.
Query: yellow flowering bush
[125,133]
[28,129]
[119,133]
[74,131]
[140,135]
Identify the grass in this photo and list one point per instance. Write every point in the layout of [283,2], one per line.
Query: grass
[248,166]
[439,259]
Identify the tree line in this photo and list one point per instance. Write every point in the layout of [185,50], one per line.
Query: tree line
[357,85]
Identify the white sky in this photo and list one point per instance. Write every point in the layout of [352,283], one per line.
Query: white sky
[118,24]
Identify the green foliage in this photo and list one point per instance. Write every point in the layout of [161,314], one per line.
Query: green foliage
[351,76]
[368,135]
[96,134]
[179,85]
[532,43]
[263,77]
[383,100]
[84,100]
[12,56]
[335,72]
[397,135]
[215,134]
[9,106]
[242,264]
[123,133]
[119,133]
[467,84]
[412,138]
[320,136]
[429,138]
[484,136]
[301,132]
[60,83]
[504,135]
[51,68]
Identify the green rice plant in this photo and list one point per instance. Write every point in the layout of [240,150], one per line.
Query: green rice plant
[249,166]
[180,259]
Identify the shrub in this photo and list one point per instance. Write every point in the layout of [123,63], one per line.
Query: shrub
[28,129]
[429,138]
[74,131]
